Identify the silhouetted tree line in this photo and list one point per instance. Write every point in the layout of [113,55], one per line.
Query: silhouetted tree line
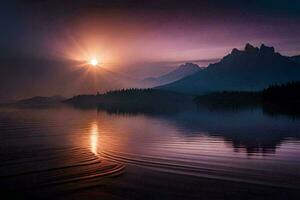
[129,90]
[282,99]
[276,99]
[288,92]
[134,100]
[229,100]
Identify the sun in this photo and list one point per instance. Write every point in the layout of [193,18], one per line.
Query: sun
[94,62]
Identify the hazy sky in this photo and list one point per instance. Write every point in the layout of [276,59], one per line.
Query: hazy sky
[141,38]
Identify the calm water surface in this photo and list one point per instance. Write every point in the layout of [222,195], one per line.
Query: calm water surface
[191,155]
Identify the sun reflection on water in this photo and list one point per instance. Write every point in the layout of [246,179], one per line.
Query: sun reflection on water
[94,134]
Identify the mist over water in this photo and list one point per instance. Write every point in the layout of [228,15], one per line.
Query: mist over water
[67,149]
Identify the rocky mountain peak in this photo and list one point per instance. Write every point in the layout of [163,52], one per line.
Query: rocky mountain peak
[266,50]
[251,49]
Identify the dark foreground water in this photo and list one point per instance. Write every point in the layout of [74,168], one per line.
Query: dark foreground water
[65,153]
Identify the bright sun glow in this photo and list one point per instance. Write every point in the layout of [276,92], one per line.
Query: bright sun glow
[94,62]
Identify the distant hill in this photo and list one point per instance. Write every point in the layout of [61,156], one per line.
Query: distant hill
[134,101]
[179,73]
[39,101]
[251,69]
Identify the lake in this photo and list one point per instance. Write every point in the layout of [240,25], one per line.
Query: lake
[70,153]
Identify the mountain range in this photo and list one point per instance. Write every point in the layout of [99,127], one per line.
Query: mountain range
[250,69]
[182,71]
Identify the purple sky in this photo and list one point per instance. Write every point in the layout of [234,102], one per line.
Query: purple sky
[139,31]
[144,38]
